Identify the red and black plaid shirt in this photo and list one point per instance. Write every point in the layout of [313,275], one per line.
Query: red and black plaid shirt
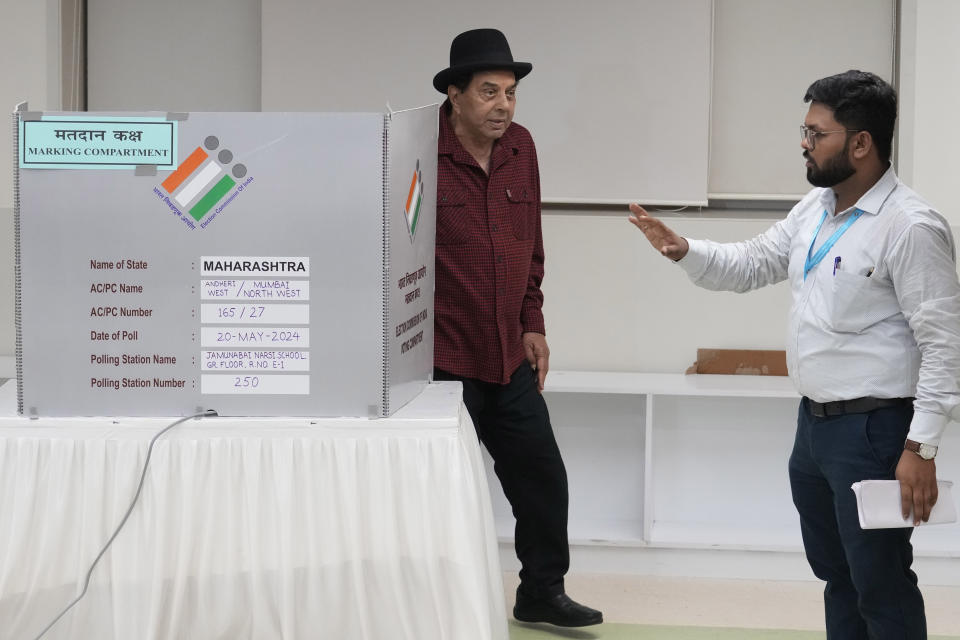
[489,261]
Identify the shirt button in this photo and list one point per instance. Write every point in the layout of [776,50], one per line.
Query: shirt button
[499,259]
[493,227]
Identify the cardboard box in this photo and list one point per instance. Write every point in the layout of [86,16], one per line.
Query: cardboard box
[752,362]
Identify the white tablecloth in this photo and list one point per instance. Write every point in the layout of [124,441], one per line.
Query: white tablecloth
[333,529]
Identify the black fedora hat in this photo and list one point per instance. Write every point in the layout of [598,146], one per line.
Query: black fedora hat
[479,50]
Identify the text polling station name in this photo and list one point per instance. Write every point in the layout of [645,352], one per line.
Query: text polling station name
[254,325]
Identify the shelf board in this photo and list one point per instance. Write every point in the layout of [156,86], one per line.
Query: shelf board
[736,536]
[8,398]
[675,384]
[932,542]
[8,367]
[611,533]
[941,541]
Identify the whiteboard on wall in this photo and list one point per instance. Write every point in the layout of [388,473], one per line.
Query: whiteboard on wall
[618,100]
[766,54]
[661,102]
[177,55]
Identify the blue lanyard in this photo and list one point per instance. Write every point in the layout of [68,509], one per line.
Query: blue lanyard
[815,259]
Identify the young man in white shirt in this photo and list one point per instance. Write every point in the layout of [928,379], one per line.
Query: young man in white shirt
[873,345]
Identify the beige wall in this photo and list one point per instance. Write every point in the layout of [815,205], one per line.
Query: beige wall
[611,303]
[614,304]
[930,101]
[26,75]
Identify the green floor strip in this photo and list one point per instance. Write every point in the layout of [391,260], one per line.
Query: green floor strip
[619,631]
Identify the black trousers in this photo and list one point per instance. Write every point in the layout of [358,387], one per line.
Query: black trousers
[871,592]
[513,424]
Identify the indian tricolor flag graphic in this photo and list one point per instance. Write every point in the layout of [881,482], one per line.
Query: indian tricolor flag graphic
[200,174]
[414,200]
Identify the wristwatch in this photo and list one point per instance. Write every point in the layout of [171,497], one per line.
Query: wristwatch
[925,451]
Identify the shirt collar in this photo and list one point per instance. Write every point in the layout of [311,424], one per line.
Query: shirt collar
[870,202]
[447,143]
[873,200]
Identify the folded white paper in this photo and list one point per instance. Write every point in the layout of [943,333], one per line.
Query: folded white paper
[878,505]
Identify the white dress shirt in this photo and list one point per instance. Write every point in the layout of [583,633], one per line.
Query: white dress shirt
[884,323]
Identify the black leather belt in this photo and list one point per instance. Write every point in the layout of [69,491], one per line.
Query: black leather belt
[857,405]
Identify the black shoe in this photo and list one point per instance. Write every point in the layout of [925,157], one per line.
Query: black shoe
[559,610]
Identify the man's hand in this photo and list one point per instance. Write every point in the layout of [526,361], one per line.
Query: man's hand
[918,486]
[538,355]
[660,235]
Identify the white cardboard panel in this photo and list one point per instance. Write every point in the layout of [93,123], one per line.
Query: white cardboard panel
[120,287]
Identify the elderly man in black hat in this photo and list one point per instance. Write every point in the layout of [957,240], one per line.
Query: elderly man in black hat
[489,325]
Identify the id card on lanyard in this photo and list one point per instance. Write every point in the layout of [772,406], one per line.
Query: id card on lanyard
[814,259]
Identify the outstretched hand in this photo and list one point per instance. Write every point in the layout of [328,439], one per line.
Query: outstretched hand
[662,237]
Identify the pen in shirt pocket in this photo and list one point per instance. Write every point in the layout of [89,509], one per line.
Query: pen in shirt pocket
[836,264]
[869,272]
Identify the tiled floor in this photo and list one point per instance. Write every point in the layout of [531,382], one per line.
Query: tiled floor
[749,604]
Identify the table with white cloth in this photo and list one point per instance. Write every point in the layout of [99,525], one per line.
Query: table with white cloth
[340,529]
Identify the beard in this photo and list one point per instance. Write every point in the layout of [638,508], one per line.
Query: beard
[834,171]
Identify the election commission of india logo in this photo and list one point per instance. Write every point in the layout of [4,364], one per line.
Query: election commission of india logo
[202,182]
[411,212]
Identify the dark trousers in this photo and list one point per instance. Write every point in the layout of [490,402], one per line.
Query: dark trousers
[871,592]
[513,424]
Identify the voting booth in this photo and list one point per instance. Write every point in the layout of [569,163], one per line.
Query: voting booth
[276,268]
[254,264]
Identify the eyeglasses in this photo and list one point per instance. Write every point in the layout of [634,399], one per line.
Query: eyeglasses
[810,136]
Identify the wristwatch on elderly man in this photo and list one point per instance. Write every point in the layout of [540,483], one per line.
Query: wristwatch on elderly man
[925,451]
